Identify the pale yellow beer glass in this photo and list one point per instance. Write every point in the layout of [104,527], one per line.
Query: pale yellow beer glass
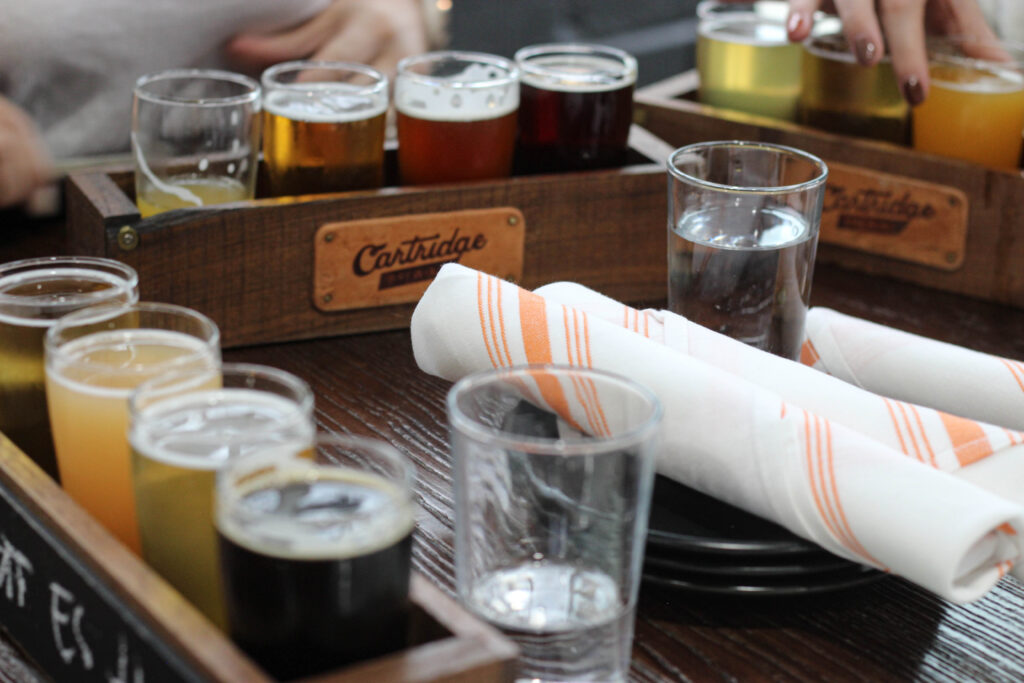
[183,427]
[34,293]
[95,357]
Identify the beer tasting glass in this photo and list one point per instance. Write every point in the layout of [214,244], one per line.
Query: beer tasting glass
[34,293]
[95,357]
[745,60]
[183,427]
[456,117]
[975,106]
[575,107]
[550,520]
[195,139]
[323,127]
[315,552]
[841,96]
[743,226]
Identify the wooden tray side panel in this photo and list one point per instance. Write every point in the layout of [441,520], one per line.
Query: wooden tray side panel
[995,236]
[250,267]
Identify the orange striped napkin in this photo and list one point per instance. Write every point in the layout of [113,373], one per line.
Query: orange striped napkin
[738,441]
[912,368]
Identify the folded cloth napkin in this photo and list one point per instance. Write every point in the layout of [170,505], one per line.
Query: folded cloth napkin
[738,441]
[917,369]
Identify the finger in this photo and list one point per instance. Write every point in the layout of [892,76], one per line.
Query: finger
[909,54]
[256,52]
[359,40]
[862,30]
[801,19]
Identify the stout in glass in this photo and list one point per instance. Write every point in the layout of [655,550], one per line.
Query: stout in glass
[456,116]
[575,107]
[323,127]
[316,553]
[34,293]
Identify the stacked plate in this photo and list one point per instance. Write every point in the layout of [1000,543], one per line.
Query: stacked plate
[699,543]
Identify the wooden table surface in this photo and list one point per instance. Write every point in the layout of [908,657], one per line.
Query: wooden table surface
[886,630]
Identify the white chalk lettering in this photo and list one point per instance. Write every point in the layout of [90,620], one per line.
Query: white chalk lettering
[13,568]
[60,619]
[123,662]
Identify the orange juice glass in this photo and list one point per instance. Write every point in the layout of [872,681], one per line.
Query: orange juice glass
[95,357]
[975,107]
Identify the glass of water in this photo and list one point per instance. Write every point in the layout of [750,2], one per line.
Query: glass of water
[553,474]
[743,224]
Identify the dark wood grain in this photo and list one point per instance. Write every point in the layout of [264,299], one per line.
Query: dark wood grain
[889,630]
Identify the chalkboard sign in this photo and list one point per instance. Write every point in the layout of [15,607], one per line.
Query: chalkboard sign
[63,616]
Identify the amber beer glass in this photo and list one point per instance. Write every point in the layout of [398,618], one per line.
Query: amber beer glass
[315,553]
[456,116]
[323,127]
[183,427]
[975,106]
[95,357]
[841,96]
[195,139]
[575,107]
[34,293]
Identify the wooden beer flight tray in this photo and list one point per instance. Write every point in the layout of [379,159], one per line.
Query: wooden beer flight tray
[84,608]
[323,265]
[889,210]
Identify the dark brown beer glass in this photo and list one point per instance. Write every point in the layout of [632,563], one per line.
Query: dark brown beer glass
[315,553]
[575,108]
[456,116]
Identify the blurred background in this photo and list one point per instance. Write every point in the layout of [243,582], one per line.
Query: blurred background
[661,34]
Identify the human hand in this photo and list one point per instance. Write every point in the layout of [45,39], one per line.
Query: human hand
[374,32]
[24,162]
[904,23]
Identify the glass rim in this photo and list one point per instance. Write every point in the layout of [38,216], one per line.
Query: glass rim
[815,161]
[44,263]
[252,95]
[845,55]
[160,390]
[644,429]
[523,56]
[933,43]
[270,75]
[512,69]
[53,345]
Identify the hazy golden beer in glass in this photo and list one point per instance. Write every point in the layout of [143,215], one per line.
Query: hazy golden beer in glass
[33,294]
[184,427]
[975,106]
[745,60]
[323,127]
[841,96]
[195,139]
[95,357]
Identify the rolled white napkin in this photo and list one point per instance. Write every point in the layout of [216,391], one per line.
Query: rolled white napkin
[739,442]
[917,369]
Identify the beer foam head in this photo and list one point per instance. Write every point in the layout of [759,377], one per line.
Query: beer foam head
[325,103]
[576,68]
[470,91]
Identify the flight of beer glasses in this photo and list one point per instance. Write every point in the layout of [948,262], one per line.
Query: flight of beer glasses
[316,552]
[575,107]
[551,517]
[975,106]
[34,293]
[745,59]
[743,224]
[195,139]
[842,96]
[183,427]
[323,127]
[95,357]
[456,117]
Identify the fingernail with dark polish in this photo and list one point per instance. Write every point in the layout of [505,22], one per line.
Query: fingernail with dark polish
[912,91]
[865,49]
[795,22]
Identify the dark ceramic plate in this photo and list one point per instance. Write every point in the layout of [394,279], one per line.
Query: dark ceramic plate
[685,519]
[768,586]
[740,567]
